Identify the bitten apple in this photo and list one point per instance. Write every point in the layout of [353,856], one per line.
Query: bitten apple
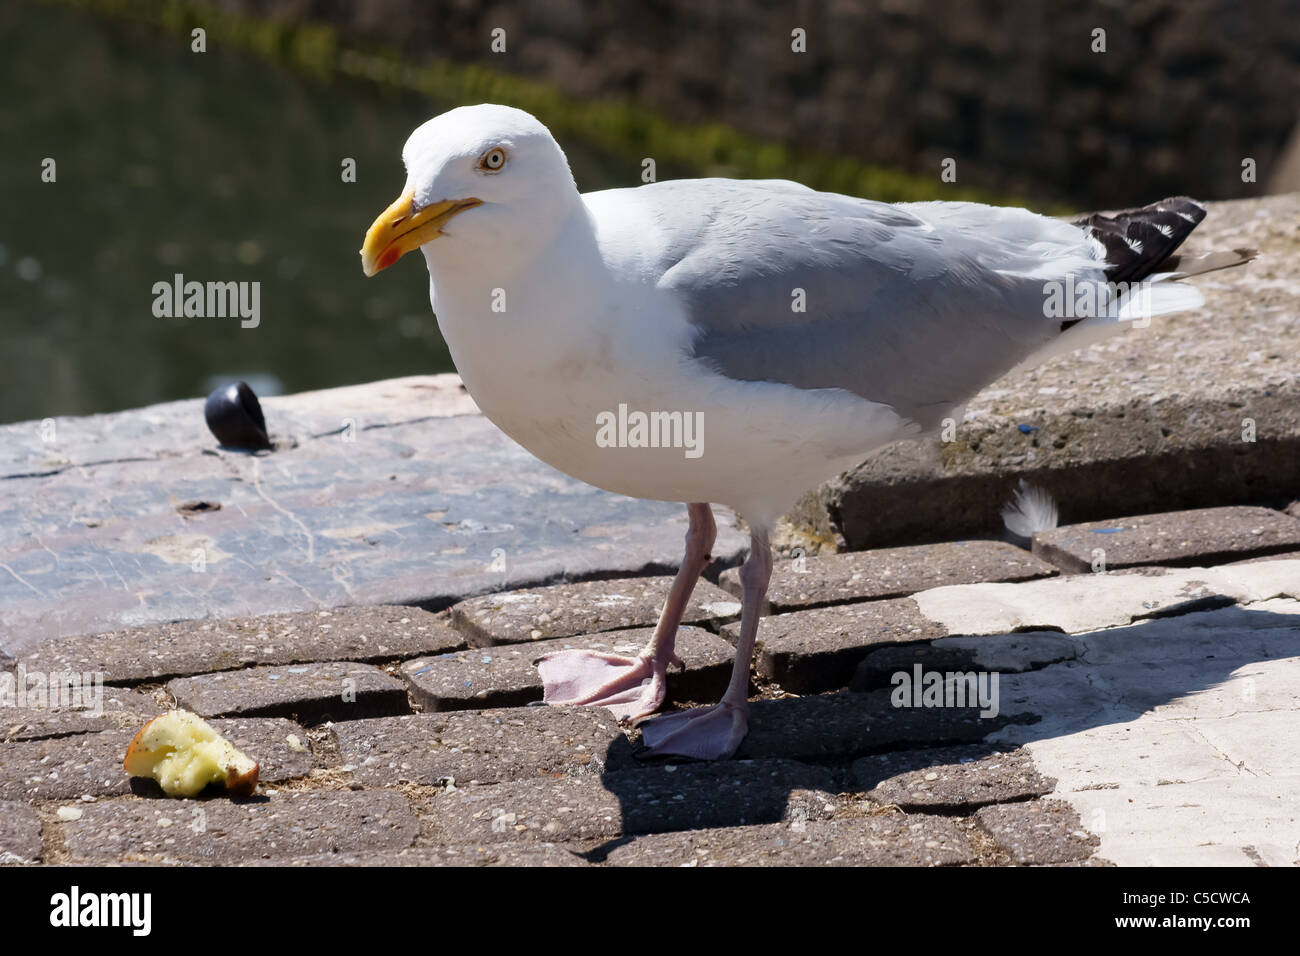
[184,754]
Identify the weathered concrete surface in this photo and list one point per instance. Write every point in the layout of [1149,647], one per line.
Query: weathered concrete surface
[161,651]
[1086,602]
[1152,420]
[1173,739]
[396,493]
[885,840]
[506,676]
[1038,832]
[269,827]
[823,579]
[20,833]
[563,610]
[653,799]
[118,709]
[481,746]
[921,780]
[1202,537]
[311,693]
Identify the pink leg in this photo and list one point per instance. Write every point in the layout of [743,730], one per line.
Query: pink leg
[714,733]
[633,686]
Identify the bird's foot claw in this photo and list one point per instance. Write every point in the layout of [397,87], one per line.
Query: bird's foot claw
[631,687]
[705,733]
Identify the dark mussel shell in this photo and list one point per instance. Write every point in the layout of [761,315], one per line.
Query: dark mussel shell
[235,417]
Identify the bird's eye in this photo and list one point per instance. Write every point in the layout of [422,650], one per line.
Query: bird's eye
[493,160]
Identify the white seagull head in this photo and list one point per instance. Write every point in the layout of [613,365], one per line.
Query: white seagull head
[496,170]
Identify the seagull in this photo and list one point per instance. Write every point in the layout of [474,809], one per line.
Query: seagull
[792,332]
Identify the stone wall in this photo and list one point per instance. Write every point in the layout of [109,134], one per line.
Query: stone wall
[1184,92]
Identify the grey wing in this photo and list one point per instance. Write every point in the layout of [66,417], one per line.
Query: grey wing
[917,306]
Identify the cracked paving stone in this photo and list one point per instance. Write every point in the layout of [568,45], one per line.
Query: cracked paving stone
[851,576]
[1004,653]
[949,779]
[649,799]
[500,854]
[311,693]
[853,725]
[1199,538]
[505,675]
[887,839]
[64,768]
[483,746]
[566,610]
[119,709]
[180,648]
[20,833]
[807,652]
[225,831]
[1038,831]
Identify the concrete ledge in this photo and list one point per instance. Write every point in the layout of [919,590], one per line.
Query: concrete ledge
[1152,420]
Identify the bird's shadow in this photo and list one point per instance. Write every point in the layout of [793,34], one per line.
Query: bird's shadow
[811,743]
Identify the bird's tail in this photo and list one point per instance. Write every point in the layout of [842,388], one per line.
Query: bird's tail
[1139,250]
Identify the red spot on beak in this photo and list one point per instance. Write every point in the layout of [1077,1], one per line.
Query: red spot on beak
[391,255]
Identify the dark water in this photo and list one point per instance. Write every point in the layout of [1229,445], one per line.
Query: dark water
[217,166]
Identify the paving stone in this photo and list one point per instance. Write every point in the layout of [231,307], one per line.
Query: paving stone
[498,854]
[893,839]
[20,833]
[118,709]
[816,650]
[1038,831]
[223,831]
[180,648]
[65,768]
[1005,653]
[564,610]
[949,779]
[484,746]
[1203,537]
[827,579]
[650,799]
[312,693]
[852,725]
[1086,602]
[505,675]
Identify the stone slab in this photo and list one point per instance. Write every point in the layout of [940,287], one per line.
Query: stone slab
[1174,726]
[277,826]
[819,649]
[824,579]
[20,833]
[1004,653]
[414,502]
[880,840]
[66,768]
[310,693]
[367,634]
[949,780]
[566,610]
[652,799]
[505,675]
[1086,602]
[1150,420]
[1200,538]
[1038,832]
[482,746]
[118,709]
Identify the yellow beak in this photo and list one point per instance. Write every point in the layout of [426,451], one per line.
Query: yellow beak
[399,229]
